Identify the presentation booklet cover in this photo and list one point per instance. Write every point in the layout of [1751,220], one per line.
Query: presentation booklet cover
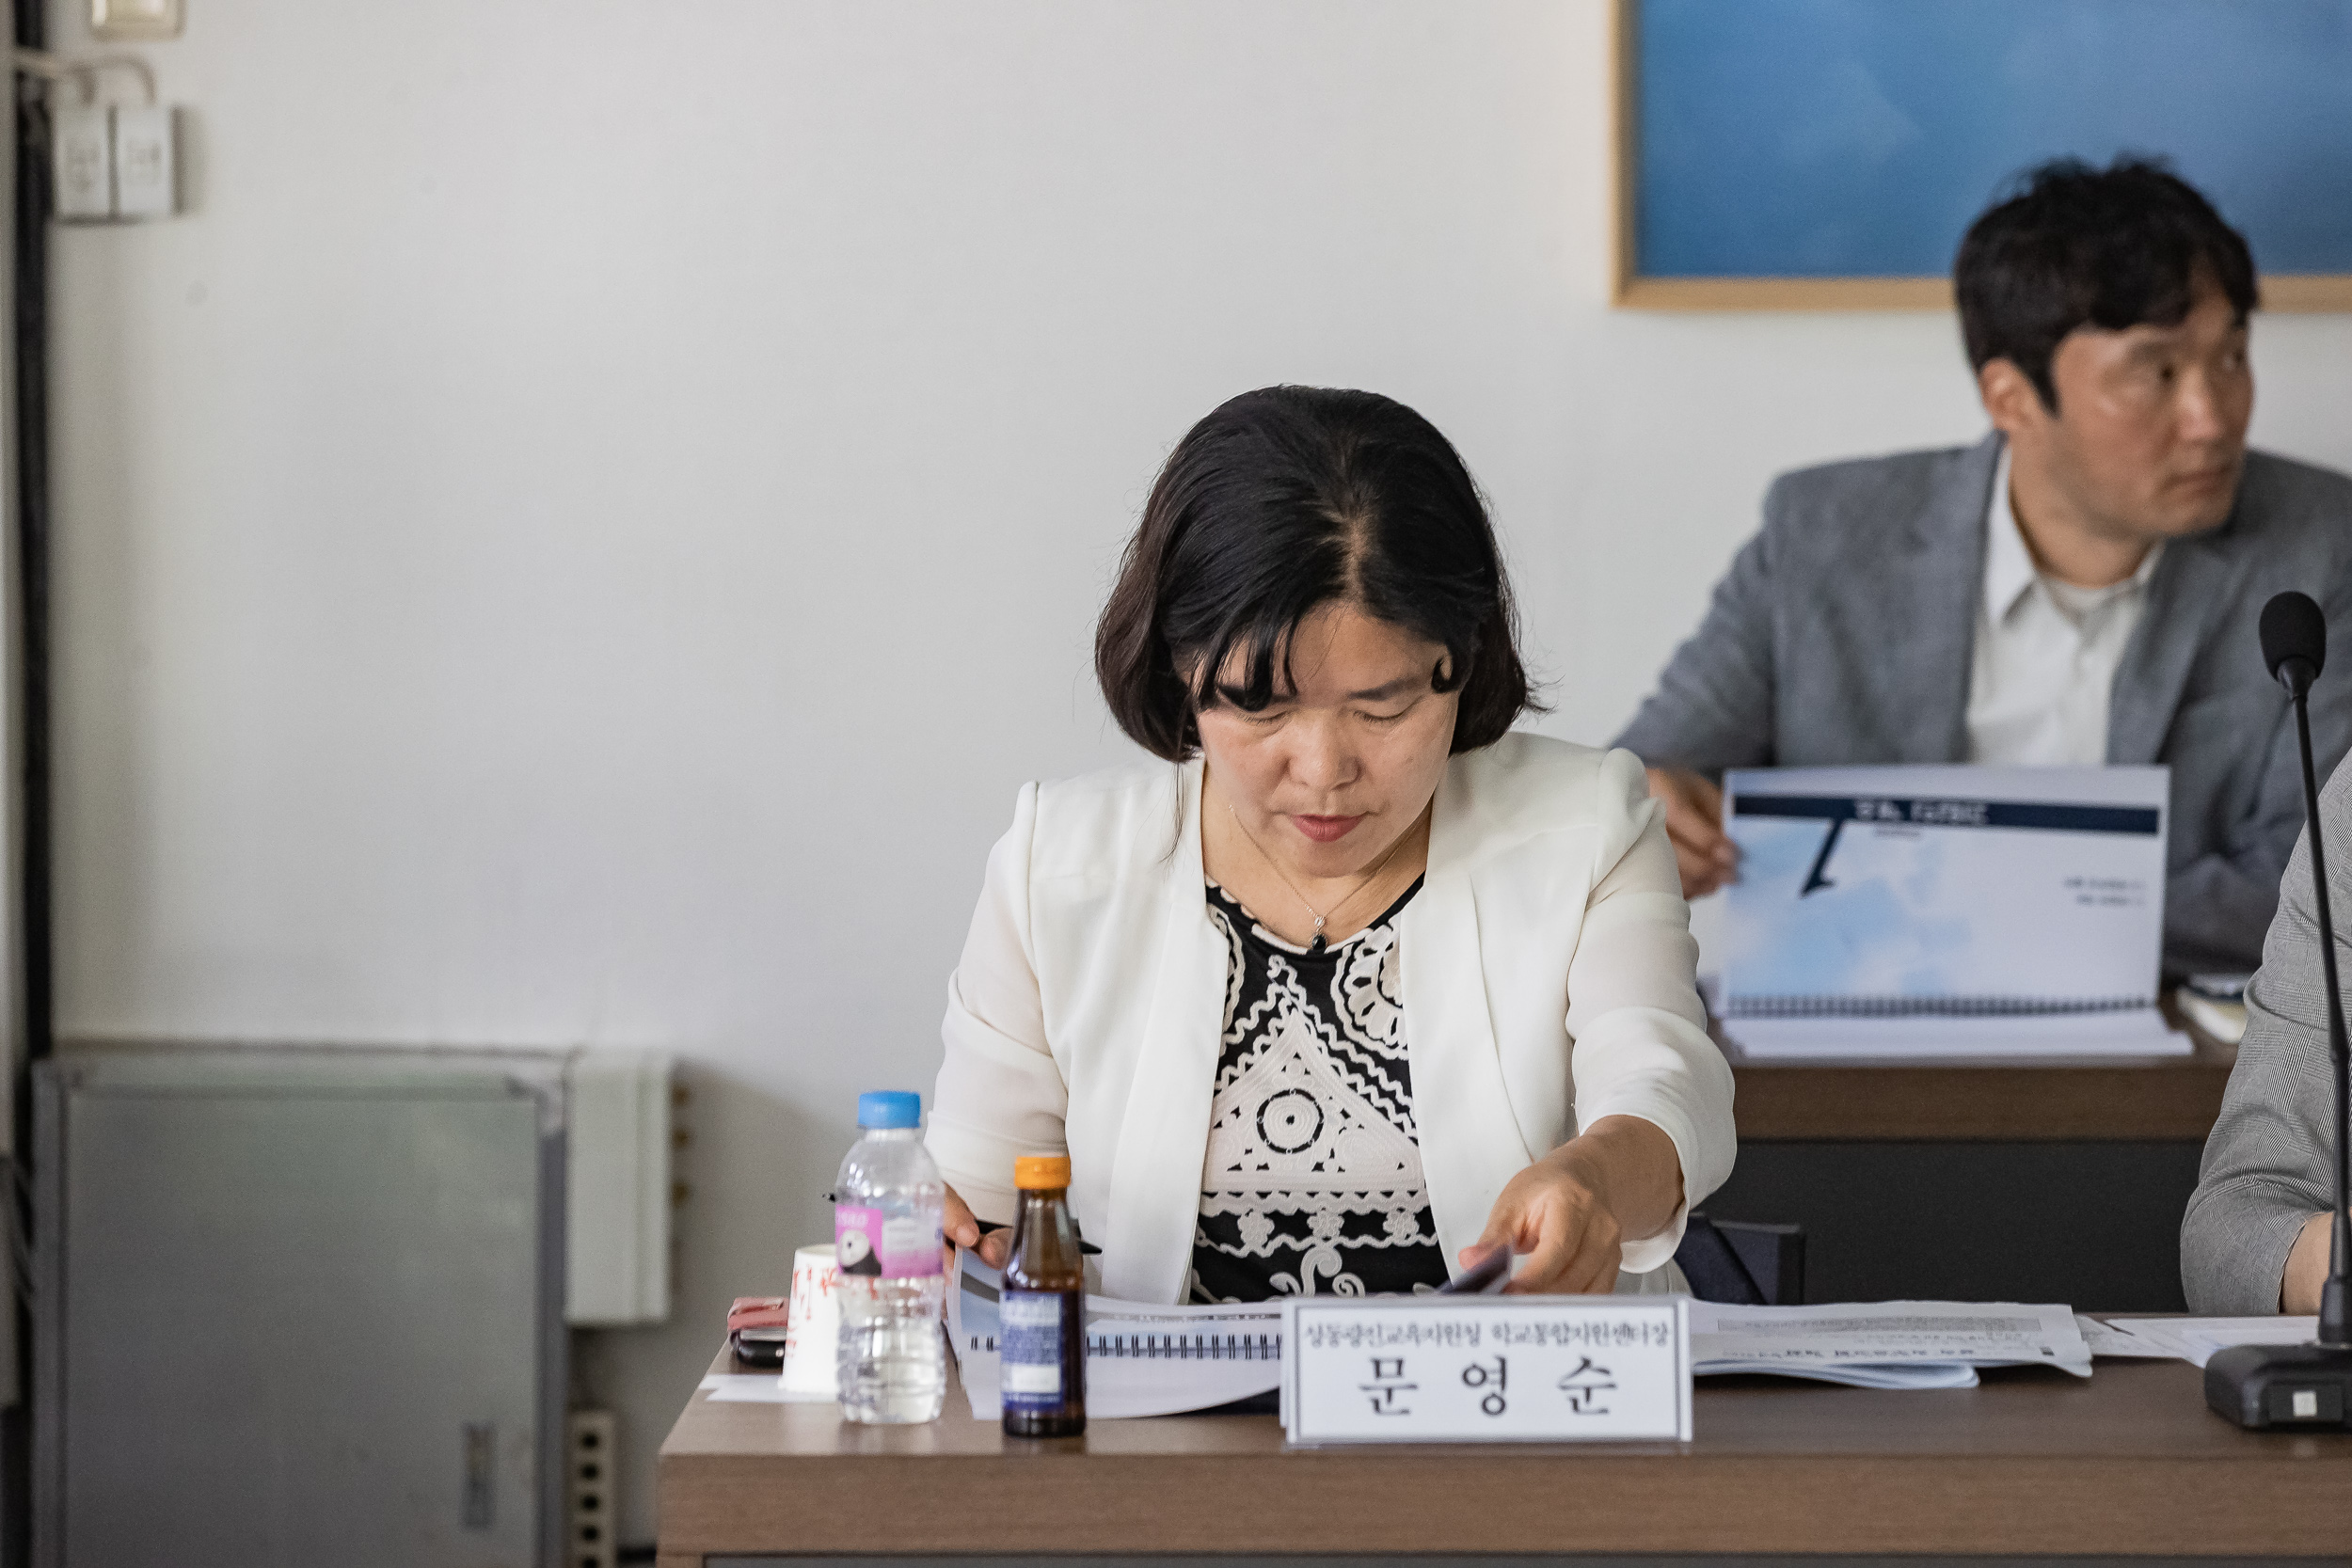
[1945,911]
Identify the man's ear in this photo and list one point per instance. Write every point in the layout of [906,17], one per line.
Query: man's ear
[2011,399]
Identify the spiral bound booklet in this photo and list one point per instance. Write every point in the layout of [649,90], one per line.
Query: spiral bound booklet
[1141,1359]
[1947,911]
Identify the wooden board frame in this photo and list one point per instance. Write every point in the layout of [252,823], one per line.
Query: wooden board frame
[2294,292]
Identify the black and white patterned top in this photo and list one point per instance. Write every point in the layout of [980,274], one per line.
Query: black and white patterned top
[1313,1183]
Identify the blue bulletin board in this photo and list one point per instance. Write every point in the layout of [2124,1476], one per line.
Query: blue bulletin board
[1809,153]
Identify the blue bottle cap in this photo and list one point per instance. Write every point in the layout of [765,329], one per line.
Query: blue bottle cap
[890,1108]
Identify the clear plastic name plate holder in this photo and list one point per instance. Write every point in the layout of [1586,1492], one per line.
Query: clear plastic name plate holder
[1485,1368]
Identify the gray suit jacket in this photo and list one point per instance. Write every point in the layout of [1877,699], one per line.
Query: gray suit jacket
[2265,1170]
[1843,634]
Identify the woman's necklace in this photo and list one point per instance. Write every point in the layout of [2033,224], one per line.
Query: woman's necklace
[1320,915]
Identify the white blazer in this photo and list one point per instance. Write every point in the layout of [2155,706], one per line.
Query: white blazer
[1545,964]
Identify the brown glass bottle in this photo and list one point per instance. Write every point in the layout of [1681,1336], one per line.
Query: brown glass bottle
[1041,1314]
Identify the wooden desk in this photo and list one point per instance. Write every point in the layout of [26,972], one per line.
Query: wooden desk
[2016,1181]
[2150,1098]
[2033,1463]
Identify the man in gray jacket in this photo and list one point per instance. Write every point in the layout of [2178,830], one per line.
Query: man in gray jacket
[2079,588]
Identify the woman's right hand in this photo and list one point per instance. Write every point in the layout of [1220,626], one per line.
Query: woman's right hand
[1704,853]
[961,1229]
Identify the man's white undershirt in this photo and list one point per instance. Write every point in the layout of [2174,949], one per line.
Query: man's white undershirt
[2046,651]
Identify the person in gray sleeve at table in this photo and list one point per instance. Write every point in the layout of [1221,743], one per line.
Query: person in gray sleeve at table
[2080,587]
[2255,1238]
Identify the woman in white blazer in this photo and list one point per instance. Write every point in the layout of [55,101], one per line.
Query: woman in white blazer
[1354,982]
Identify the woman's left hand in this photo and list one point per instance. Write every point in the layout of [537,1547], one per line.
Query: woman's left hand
[1568,1215]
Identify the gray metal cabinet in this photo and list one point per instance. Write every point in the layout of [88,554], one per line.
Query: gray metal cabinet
[299,1307]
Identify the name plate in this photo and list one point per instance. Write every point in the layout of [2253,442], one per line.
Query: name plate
[1485,1368]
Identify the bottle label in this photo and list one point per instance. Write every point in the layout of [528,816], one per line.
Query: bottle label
[866,1244]
[1030,1324]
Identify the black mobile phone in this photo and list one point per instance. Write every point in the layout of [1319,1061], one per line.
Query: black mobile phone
[1485,1277]
[1086,1247]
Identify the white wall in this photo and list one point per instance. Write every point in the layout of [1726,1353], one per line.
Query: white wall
[580,532]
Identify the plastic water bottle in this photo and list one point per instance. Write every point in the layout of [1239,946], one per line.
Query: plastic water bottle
[885,1235]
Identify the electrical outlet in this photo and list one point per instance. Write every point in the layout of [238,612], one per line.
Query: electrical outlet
[144,165]
[589,1488]
[82,163]
[111,160]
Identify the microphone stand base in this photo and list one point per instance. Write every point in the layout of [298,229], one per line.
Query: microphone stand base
[2292,1387]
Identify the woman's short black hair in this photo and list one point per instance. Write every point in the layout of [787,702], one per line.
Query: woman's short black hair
[2107,247]
[1286,500]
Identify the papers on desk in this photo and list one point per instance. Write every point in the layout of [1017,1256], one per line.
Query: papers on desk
[2225,1021]
[2195,1340]
[1945,912]
[1141,1359]
[2125,1032]
[757,1388]
[2104,1340]
[1885,1344]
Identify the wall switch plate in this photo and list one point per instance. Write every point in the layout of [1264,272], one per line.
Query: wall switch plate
[81,139]
[136,21]
[588,1490]
[145,166]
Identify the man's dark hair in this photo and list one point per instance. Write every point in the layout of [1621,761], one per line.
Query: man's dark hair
[1281,501]
[2083,246]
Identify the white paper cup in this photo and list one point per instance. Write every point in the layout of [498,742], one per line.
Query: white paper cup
[813,1330]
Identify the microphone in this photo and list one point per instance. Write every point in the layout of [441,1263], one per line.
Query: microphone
[2304,1386]
[2294,641]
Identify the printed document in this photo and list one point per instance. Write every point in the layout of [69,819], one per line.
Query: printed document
[2195,1340]
[757,1388]
[1141,1359]
[1885,1344]
[1945,912]
[2111,1340]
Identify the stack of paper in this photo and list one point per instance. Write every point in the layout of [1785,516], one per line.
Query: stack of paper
[1141,1360]
[2114,1343]
[1887,1344]
[2195,1340]
[757,1388]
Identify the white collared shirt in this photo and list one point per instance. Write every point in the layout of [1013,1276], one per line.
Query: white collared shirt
[2046,651]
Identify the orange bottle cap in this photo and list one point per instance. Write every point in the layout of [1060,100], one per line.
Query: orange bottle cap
[1040,1171]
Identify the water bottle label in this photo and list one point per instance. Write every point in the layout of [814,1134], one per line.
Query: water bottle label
[1030,1325]
[863,1242]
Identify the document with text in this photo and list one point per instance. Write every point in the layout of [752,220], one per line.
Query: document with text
[1141,1359]
[2195,1340]
[1885,1344]
[2107,1340]
[1945,912]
